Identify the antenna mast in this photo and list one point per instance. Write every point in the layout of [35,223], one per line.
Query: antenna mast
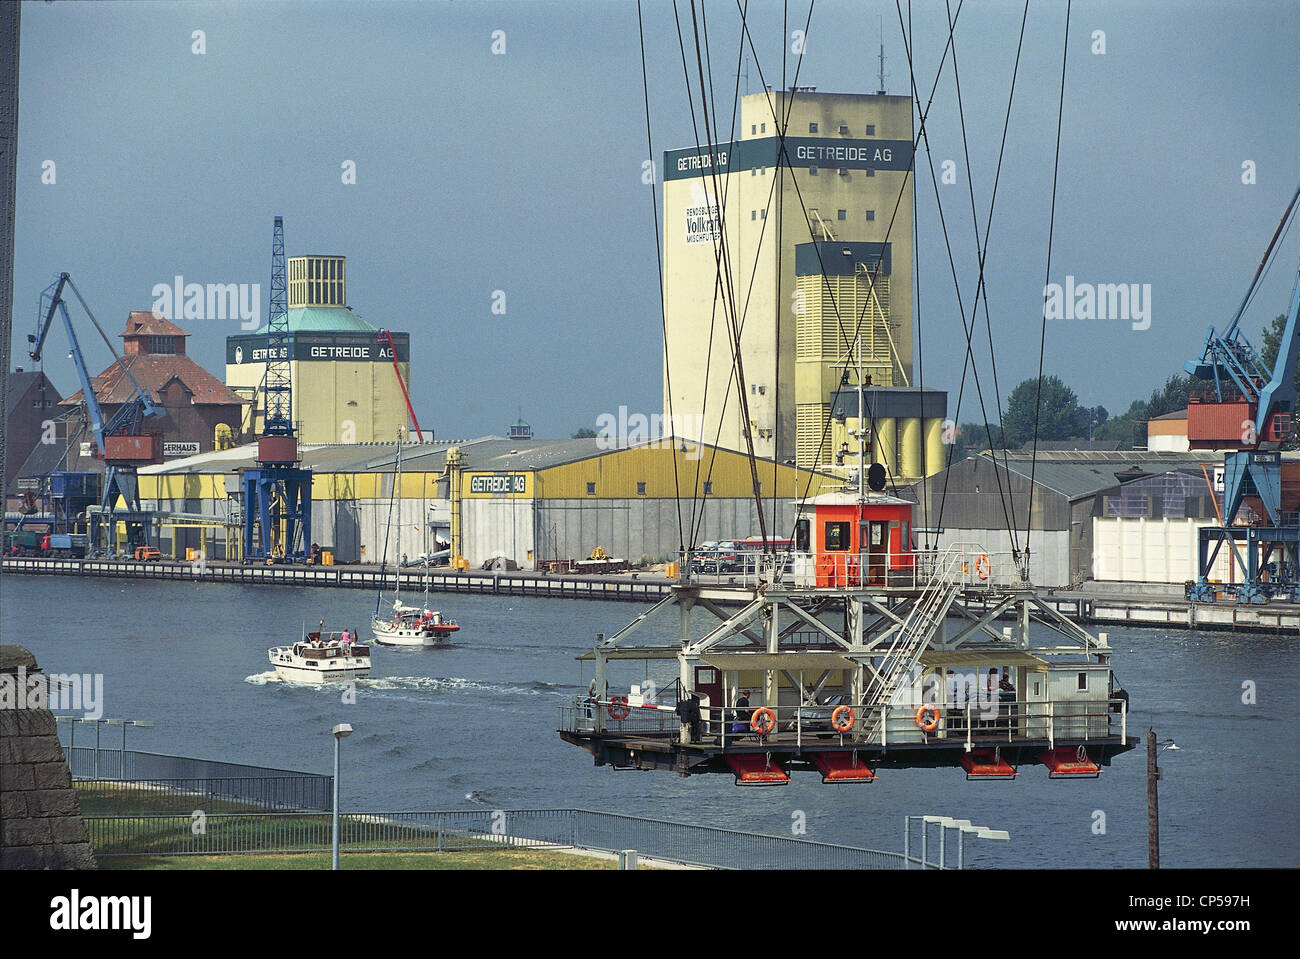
[881,91]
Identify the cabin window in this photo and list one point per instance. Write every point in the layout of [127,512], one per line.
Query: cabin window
[801,536]
[1036,687]
[837,537]
[1083,682]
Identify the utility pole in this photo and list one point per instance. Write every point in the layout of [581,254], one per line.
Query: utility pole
[1153,804]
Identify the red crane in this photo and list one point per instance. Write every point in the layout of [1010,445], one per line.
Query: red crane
[385,337]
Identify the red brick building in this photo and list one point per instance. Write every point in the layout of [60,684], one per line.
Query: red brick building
[195,401]
[32,401]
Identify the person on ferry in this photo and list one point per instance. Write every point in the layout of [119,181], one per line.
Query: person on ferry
[345,638]
[1007,700]
[741,715]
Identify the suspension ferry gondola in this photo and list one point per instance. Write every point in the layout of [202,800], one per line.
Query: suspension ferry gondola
[859,654]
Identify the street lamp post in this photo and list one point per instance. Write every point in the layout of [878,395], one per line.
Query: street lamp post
[963,826]
[1153,800]
[341,732]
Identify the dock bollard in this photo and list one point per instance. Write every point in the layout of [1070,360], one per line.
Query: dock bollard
[627,859]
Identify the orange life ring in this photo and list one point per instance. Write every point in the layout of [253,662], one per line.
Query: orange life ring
[763,721]
[932,723]
[842,718]
[982,566]
[618,707]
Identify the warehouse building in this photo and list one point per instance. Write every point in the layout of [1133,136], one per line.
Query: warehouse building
[525,501]
[1087,507]
[821,272]
[345,389]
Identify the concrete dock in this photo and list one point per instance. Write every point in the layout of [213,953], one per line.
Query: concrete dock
[1141,605]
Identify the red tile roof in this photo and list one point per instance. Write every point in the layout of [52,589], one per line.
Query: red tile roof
[143,323]
[153,372]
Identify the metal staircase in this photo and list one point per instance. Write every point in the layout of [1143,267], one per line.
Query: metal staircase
[927,614]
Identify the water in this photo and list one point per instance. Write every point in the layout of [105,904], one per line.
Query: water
[473,725]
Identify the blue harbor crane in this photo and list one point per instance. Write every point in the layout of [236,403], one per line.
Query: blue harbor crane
[1239,405]
[277,493]
[120,439]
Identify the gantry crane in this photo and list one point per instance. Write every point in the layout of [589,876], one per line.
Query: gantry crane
[277,493]
[1239,405]
[121,440]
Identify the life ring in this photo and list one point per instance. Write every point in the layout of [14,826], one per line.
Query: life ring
[618,707]
[982,566]
[842,719]
[763,721]
[931,723]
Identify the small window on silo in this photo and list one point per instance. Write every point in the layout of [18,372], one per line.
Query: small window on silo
[640,489]
[591,489]
[1083,682]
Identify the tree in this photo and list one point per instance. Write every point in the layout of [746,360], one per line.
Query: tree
[1268,353]
[1056,412]
[586,433]
[1272,342]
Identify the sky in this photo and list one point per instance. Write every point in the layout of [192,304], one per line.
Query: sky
[499,147]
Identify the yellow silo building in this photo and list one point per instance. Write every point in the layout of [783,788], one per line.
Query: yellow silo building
[819,264]
[344,387]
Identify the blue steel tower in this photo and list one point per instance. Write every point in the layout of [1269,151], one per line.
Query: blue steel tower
[277,494]
[279,389]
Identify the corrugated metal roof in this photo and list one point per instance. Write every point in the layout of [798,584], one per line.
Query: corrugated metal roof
[1076,473]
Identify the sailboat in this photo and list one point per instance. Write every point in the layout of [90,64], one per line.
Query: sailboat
[407,625]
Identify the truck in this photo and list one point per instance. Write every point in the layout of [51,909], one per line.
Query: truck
[65,545]
[30,542]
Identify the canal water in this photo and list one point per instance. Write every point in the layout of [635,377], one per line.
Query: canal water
[473,725]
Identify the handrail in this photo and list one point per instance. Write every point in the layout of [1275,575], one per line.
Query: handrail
[970,722]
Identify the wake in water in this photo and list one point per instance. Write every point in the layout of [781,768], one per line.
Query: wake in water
[451,684]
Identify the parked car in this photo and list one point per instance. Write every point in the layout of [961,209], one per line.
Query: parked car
[147,554]
[817,719]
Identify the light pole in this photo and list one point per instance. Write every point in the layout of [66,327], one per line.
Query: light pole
[963,826]
[1153,800]
[341,731]
[72,722]
[121,753]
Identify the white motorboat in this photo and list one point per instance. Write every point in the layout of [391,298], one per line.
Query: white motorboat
[317,660]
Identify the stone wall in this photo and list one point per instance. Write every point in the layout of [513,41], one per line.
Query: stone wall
[40,818]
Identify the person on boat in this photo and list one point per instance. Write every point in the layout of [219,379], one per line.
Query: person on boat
[1007,700]
[346,637]
[591,697]
[741,719]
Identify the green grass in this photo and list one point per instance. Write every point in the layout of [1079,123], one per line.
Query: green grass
[127,799]
[528,859]
[155,829]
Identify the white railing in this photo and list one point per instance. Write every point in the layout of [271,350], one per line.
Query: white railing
[974,724]
[966,564]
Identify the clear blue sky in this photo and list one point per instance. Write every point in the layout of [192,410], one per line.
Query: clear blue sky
[521,172]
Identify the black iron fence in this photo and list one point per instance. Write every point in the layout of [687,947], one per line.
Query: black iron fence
[225,833]
[133,780]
